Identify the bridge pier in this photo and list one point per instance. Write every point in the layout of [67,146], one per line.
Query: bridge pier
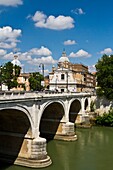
[23,150]
[66,131]
[38,157]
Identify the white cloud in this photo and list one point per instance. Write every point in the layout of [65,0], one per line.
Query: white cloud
[45,60]
[2,52]
[21,56]
[24,56]
[43,51]
[11,2]
[69,42]
[56,23]
[107,51]
[7,46]
[42,54]
[8,34]
[92,68]
[78,11]
[9,56]
[80,53]
[8,37]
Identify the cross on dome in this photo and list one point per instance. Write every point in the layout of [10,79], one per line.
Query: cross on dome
[64,57]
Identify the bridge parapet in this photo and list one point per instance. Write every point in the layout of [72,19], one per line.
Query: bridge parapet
[23,94]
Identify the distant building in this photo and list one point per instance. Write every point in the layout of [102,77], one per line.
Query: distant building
[23,82]
[16,61]
[23,79]
[46,82]
[71,77]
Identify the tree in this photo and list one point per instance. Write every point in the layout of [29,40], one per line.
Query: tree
[104,75]
[9,75]
[35,81]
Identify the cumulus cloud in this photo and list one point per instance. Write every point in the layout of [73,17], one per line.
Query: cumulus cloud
[45,60]
[80,53]
[43,51]
[21,56]
[8,56]
[92,68]
[55,23]
[2,52]
[107,51]
[42,55]
[11,2]
[8,37]
[69,42]
[7,46]
[24,56]
[78,11]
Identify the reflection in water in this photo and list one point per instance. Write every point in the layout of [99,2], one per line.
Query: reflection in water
[92,151]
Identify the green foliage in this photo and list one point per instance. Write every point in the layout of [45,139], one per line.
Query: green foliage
[104,75]
[106,119]
[16,71]
[9,75]
[35,81]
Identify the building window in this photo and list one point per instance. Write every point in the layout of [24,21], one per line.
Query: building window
[62,76]
[62,90]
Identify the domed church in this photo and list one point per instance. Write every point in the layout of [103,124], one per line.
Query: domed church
[69,77]
[16,61]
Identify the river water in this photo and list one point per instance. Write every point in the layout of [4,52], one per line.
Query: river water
[92,151]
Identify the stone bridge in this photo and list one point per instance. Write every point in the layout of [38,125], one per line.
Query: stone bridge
[29,119]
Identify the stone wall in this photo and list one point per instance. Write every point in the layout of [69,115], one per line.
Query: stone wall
[102,105]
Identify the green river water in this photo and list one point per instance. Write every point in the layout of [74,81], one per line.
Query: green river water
[92,151]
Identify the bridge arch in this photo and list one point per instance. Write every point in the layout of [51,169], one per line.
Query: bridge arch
[53,112]
[75,107]
[24,110]
[15,127]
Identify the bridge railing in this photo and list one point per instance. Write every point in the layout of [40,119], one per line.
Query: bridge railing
[14,94]
[33,94]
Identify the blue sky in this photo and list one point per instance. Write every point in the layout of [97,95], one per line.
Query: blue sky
[38,31]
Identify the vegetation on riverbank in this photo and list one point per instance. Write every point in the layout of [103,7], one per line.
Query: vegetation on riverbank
[104,75]
[106,119]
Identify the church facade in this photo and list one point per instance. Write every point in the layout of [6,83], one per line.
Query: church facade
[69,77]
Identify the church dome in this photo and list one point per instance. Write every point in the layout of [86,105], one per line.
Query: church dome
[16,61]
[64,57]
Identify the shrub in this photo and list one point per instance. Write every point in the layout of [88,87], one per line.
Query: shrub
[106,119]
